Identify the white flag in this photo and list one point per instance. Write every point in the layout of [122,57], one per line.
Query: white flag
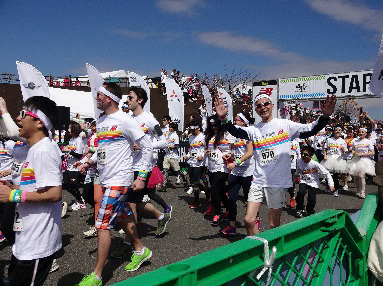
[32,82]
[137,80]
[175,102]
[208,100]
[376,84]
[95,81]
[227,101]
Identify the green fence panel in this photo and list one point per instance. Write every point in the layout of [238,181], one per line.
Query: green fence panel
[326,248]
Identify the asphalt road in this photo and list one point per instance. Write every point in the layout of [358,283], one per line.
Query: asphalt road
[187,234]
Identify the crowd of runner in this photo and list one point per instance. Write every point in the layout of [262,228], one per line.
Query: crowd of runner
[122,161]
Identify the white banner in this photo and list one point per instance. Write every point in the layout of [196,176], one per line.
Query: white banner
[227,101]
[175,102]
[137,80]
[208,100]
[95,81]
[377,75]
[32,82]
[355,84]
[268,89]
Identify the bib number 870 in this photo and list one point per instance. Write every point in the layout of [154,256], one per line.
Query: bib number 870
[268,154]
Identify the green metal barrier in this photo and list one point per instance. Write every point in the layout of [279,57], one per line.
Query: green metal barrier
[324,249]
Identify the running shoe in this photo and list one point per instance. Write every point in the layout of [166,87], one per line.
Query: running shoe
[162,224]
[55,266]
[300,214]
[77,206]
[361,195]
[217,219]
[345,188]
[169,210]
[121,231]
[189,191]
[2,237]
[64,209]
[194,205]
[178,180]
[210,210]
[292,203]
[137,260]
[258,223]
[90,280]
[92,232]
[123,251]
[229,231]
[336,193]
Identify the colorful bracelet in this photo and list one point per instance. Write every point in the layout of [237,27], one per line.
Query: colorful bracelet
[142,174]
[238,162]
[225,121]
[141,179]
[16,196]
[11,195]
[24,196]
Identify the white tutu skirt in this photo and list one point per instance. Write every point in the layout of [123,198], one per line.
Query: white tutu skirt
[361,165]
[338,165]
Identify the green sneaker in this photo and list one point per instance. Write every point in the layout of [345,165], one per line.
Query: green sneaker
[162,224]
[137,260]
[90,280]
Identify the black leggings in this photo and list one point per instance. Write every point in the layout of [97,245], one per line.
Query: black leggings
[71,180]
[218,190]
[195,181]
[153,195]
[311,198]
[235,184]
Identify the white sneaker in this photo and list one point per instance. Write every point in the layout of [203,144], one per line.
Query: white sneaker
[77,206]
[145,199]
[92,232]
[349,178]
[345,188]
[64,209]
[55,266]
[189,191]
[336,194]
[121,231]
[178,181]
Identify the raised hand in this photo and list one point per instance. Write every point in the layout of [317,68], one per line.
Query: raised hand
[329,105]
[220,108]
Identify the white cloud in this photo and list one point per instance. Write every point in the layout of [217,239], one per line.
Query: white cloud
[179,6]
[348,11]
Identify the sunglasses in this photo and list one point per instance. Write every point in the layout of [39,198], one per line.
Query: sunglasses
[306,155]
[24,113]
[265,104]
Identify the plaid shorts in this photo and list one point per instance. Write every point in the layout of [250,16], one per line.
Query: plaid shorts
[112,205]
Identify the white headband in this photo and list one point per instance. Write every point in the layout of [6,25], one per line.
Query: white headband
[363,129]
[108,93]
[243,118]
[193,127]
[259,96]
[41,115]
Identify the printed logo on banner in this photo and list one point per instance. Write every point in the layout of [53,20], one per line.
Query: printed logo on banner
[31,85]
[174,96]
[266,90]
[301,87]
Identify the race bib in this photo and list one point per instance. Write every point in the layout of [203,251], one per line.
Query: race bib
[18,223]
[237,156]
[101,156]
[16,168]
[292,158]
[214,155]
[193,154]
[306,178]
[268,156]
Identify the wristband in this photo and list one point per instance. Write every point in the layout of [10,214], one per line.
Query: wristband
[142,174]
[225,121]
[24,196]
[238,162]
[141,179]
[15,196]
[11,195]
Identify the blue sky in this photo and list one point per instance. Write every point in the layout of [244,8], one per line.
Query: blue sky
[270,38]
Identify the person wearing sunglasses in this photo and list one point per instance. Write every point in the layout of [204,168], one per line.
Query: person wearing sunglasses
[272,139]
[37,222]
[309,172]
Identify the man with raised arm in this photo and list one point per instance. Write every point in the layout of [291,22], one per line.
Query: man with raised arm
[272,142]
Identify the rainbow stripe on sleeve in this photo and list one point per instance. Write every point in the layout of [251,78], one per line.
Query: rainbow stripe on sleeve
[19,144]
[3,152]
[272,141]
[72,148]
[27,177]
[197,145]
[109,136]
[239,145]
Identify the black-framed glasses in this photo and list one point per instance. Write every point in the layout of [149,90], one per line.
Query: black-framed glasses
[265,104]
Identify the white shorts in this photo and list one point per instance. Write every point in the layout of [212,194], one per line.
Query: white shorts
[275,197]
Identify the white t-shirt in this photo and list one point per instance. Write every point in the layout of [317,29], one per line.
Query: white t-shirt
[272,147]
[311,172]
[362,146]
[348,153]
[197,148]
[6,160]
[147,123]
[172,140]
[215,162]
[246,169]
[20,152]
[335,147]
[165,131]
[76,145]
[295,153]
[116,134]
[41,222]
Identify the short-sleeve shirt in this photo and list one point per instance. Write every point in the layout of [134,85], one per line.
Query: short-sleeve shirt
[335,147]
[197,148]
[172,140]
[76,145]
[215,162]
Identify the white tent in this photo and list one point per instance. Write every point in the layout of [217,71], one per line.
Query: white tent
[78,101]
[120,73]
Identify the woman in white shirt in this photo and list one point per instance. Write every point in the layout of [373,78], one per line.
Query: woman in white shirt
[361,164]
